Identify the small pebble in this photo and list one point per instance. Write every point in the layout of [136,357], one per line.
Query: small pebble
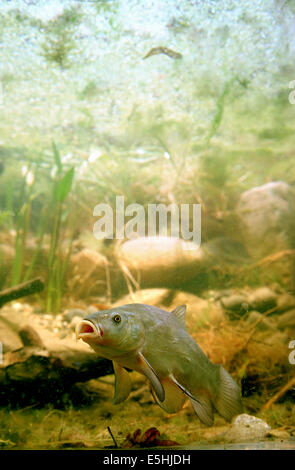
[279,434]
[247,428]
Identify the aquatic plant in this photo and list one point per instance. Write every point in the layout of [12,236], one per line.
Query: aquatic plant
[5,217]
[57,262]
[89,91]
[57,48]
[59,42]
[22,224]
[38,237]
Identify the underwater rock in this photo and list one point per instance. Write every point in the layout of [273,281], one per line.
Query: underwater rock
[147,296]
[265,214]
[238,303]
[285,302]
[247,428]
[263,299]
[9,336]
[287,320]
[200,312]
[278,339]
[279,434]
[263,323]
[161,261]
[224,250]
[30,337]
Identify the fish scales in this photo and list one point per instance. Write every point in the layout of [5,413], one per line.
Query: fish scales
[155,342]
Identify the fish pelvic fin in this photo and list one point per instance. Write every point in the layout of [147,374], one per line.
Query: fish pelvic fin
[146,369]
[228,402]
[122,383]
[201,405]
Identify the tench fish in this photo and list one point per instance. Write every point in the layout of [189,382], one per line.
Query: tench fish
[156,343]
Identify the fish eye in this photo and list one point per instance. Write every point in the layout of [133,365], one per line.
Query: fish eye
[117,318]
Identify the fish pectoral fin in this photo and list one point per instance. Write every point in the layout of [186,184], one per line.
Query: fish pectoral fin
[146,369]
[122,383]
[201,405]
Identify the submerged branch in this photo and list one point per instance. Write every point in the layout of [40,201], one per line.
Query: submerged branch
[279,394]
[21,290]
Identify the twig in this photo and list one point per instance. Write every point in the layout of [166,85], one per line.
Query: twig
[21,290]
[128,277]
[109,429]
[60,432]
[279,394]
[268,260]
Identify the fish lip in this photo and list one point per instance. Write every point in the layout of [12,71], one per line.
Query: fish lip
[86,330]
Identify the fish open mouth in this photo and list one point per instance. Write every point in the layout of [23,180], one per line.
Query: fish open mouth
[88,330]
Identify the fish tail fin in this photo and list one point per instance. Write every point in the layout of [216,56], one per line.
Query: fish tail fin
[228,402]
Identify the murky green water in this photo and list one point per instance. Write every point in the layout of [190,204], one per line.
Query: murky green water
[104,87]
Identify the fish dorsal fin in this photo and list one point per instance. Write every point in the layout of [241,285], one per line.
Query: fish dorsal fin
[122,383]
[146,369]
[179,312]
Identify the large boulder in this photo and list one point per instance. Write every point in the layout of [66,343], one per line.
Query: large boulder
[161,261]
[266,215]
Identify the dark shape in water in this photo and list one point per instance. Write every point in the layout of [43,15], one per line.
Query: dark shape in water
[163,50]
